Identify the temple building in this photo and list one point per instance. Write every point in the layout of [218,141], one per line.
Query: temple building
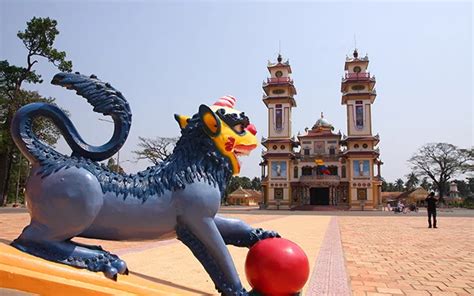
[321,167]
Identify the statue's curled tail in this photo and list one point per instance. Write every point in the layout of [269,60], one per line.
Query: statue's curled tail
[102,96]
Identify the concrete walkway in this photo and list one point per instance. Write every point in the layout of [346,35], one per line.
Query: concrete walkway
[351,253]
[329,275]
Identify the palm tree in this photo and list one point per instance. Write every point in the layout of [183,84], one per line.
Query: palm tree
[399,184]
[412,181]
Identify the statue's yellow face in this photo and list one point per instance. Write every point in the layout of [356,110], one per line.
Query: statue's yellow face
[229,129]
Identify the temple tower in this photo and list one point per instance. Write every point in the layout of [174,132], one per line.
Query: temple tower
[279,99]
[361,154]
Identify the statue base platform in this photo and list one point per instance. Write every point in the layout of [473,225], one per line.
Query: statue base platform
[23,272]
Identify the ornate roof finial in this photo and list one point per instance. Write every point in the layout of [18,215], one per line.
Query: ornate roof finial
[322,115]
[355,53]
[279,59]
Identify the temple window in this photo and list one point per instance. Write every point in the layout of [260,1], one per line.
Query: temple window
[278,117]
[307,171]
[319,147]
[333,170]
[359,110]
[318,172]
[361,194]
[295,171]
[278,193]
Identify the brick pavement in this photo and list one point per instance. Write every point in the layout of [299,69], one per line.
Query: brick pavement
[401,256]
[386,255]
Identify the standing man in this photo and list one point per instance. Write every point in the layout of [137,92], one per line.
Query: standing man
[431,200]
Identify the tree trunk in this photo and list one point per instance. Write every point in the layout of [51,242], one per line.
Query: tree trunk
[5,166]
[441,189]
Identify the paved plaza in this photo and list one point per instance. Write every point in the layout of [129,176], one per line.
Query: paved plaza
[363,253]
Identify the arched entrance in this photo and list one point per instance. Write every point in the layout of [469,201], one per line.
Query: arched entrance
[319,196]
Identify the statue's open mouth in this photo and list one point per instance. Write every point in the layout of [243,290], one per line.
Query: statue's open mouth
[243,150]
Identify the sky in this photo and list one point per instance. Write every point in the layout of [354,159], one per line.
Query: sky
[170,57]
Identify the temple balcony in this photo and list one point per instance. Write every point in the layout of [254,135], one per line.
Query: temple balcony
[320,178]
[312,158]
[277,96]
[278,80]
[360,92]
[358,77]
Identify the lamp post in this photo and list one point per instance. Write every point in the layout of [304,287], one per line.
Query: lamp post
[118,152]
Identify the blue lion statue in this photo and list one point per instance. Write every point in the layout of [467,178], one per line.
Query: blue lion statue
[69,196]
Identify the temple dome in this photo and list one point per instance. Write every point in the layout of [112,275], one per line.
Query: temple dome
[322,123]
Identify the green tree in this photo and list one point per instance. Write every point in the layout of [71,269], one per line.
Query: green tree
[469,199]
[425,184]
[391,187]
[256,184]
[113,166]
[412,181]
[38,39]
[399,185]
[388,186]
[236,182]
[463,188]
[470,182]
[384,185]
[245,182]
[440,162]
[46,132]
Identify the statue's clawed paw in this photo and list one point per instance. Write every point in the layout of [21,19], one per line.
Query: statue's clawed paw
[111,265]
[117,267]
[264,234]
[121,266]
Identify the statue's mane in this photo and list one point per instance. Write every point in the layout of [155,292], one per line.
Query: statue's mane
[194,159]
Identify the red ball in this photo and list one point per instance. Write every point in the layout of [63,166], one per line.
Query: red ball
[276,266]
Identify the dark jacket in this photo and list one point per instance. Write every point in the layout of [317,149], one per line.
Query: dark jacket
[431,203]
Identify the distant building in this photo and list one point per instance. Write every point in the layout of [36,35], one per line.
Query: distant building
[416,196]
[453,190]
[453,195]
[321,167]
[390,196]
[244,197]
